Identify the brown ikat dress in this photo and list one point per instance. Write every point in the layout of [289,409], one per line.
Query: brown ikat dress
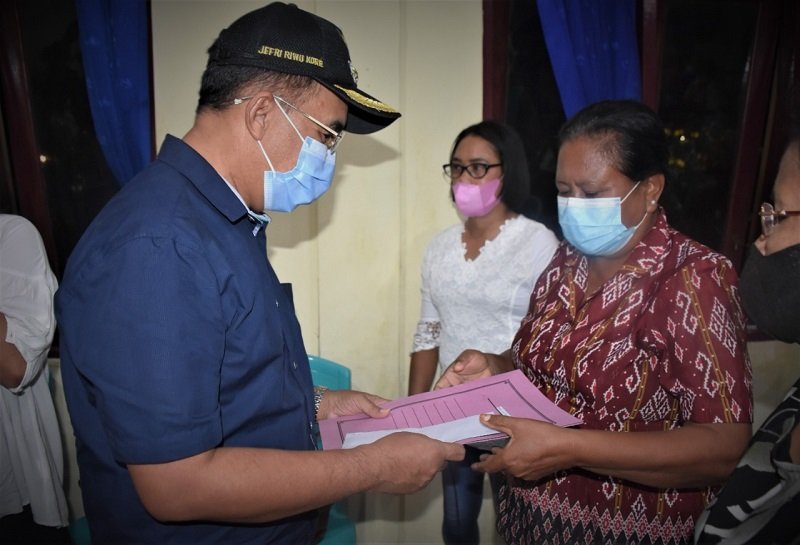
[660,344]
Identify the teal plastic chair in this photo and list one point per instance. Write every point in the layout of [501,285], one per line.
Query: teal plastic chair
[340,529]
[329,373]
[79,532]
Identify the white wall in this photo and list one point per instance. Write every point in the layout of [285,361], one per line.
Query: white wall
[353,258]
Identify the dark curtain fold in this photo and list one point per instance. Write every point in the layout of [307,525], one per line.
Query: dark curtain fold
[115,47]
[593,50]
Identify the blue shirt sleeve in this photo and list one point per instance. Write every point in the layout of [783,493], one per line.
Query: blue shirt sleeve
[159,336]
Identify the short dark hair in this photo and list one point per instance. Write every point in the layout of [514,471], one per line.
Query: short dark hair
[633,136]
[221,84]
[508,145]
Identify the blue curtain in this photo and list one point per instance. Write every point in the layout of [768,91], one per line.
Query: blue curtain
[592,47]
[115,47]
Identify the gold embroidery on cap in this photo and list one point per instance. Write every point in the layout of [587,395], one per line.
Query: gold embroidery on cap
[290,55]
[368,102]
[353,72]
[271,51]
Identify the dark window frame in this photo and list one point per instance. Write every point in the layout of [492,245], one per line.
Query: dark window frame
[26,183]
[775,59]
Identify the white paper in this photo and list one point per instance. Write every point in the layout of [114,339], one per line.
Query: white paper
[449,432]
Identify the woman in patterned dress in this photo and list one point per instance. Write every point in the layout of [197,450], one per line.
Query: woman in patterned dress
[637,330]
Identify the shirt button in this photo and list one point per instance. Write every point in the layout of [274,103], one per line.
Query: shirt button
[276,303]
[294,364]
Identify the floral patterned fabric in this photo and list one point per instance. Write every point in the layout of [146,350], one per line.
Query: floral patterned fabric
[661,343]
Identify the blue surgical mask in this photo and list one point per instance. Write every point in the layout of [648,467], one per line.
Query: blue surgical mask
[306,182]
[594,226]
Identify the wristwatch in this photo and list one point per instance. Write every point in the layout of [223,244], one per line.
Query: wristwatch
[319,391]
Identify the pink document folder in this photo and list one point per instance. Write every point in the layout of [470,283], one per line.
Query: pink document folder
[508,393]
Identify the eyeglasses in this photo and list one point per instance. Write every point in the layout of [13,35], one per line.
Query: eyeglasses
[476,170]
[771,217]
[331,138]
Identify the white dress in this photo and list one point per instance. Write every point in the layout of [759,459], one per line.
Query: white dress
[31,459]
[479,303]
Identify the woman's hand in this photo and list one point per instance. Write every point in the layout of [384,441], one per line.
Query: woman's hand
[535,449]
[692,456]
[469,365]
[344,402]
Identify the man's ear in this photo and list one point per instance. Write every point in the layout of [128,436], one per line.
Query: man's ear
[259,112]
[654,186]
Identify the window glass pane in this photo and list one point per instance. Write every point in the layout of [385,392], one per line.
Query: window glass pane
[533,107]
[77,178]
[707,47]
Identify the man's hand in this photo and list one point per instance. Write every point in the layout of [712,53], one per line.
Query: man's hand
[344,402]
[261,485]
[406,462]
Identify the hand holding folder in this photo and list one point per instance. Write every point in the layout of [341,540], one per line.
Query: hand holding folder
[451,414]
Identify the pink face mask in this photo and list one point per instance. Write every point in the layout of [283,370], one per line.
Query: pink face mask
[475,200]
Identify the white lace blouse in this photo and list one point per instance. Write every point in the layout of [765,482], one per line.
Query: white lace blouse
[479,303]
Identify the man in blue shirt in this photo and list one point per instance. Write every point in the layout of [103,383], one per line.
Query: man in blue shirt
[183,363]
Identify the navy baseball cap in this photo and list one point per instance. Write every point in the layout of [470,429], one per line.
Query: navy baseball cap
[284,38]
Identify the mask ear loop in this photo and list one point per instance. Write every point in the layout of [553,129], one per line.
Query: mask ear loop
[631,191]
[264,153]
[644,217]
[300,136]
[278,103]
